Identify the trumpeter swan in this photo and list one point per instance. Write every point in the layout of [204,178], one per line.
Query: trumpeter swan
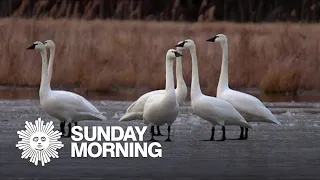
[214,110]
[163,108]
[135,110]
[63,105]
[249,106]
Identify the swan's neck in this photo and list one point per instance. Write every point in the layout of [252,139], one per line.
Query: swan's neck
[179,74]
[44,86]
[51,59]
[223,79]
[169,78]
[195,85]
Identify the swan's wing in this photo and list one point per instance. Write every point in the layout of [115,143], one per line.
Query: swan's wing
[150,103]
[214,109]
[248,105]
[138,105]
[69,100]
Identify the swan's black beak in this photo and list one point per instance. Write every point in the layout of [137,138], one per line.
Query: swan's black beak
[212,39]
[180,44]
[177,54]
[32,46]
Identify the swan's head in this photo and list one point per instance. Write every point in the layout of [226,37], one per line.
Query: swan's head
[188,43]
[173,54]
[180,49]
[221,38]
[37,45]
[49,44]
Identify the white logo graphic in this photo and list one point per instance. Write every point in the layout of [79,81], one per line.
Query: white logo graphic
[39,142]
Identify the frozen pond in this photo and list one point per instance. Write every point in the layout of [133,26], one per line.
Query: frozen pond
[290,151]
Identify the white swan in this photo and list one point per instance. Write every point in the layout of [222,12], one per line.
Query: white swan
[163,108]
[249,106]
[65,106]
[214,110]
[135,110]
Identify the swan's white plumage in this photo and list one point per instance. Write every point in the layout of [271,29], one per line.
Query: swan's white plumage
[163,108]
[214,110]
[160,110]
[135,110]
[249,106]
[69,107]
[64,105]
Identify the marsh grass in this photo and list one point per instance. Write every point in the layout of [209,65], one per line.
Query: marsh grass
[114,56]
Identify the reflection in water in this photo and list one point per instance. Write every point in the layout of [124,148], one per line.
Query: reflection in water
[32,93]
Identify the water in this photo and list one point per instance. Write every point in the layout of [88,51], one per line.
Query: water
[290,151]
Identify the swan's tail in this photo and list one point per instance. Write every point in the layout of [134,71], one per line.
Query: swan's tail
[132,116]
[270,118]
[101,117]
[92,116]
[245,124]
[273,120]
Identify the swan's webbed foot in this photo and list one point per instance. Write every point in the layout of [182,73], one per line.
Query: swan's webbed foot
[212,135]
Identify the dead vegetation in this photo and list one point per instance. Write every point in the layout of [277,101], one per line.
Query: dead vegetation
[130,55]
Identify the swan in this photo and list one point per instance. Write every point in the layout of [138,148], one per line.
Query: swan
[163,108]
[214,110]
[249,106]
[135,110]
[63,105]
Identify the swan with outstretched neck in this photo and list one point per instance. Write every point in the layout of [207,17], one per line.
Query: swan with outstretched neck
[214,110]
[249,106]
[63,105]
[163,108]
[135,110]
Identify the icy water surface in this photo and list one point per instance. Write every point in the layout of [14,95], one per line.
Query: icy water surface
[290,151]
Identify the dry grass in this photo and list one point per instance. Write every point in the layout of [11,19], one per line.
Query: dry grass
[113,55]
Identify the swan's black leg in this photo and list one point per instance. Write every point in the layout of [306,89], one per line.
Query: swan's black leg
[223,134]
[212,135]
[169,128]
[69,133]
[152,134]
[159,133]
[62,124]
[246,134]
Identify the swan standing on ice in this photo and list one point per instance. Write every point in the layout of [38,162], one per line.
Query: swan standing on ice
[63,105]
[214,110]
[163,108]
[249,106]
[135,110]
